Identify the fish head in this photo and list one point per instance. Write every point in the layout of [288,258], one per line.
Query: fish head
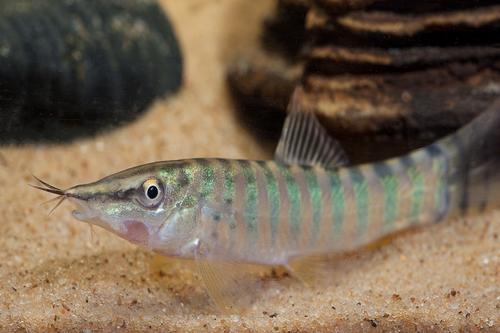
[148,205]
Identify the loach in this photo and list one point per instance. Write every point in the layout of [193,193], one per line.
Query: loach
[305,203]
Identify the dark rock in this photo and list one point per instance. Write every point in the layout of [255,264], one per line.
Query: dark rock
[414,7]
[290,15]
[388,76]
[70,68]
[375,28]
[338,59]
[261,94]
[392,23]
[426,103]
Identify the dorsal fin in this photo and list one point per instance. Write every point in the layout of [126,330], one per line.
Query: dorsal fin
[304,141]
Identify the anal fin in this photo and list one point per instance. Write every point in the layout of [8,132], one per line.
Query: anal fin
[311,269]
[316,268]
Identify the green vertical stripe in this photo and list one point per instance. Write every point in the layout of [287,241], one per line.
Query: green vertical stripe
[338,204]
[439,166]
[439,161]
[417,193]
[390,186]
[360,188]
[229,192]
[391,200]
[315,196]
[250,211]
[208,178]
[273,197]
[293,192]
[389,182]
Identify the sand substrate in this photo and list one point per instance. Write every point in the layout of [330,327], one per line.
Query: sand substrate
[57,276]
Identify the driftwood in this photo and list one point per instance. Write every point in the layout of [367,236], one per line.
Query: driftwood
[392,72]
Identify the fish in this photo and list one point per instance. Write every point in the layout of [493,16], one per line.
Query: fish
[306,202]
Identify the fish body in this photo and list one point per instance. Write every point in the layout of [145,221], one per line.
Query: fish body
[267,212]
[307,201]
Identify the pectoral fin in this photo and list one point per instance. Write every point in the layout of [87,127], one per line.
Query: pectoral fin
[232,286]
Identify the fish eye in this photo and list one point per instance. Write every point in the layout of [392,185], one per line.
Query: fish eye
[153,192]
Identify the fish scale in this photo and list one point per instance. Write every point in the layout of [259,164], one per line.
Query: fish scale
[245,209]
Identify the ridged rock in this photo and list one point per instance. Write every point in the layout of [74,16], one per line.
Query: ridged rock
[397,72]
[72,67]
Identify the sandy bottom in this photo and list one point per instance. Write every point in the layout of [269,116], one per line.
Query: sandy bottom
[58,276]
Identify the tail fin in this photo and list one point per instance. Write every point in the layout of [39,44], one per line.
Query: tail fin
[474,156]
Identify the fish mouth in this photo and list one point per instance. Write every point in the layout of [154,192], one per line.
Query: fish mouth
[82,212]
[82,199]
